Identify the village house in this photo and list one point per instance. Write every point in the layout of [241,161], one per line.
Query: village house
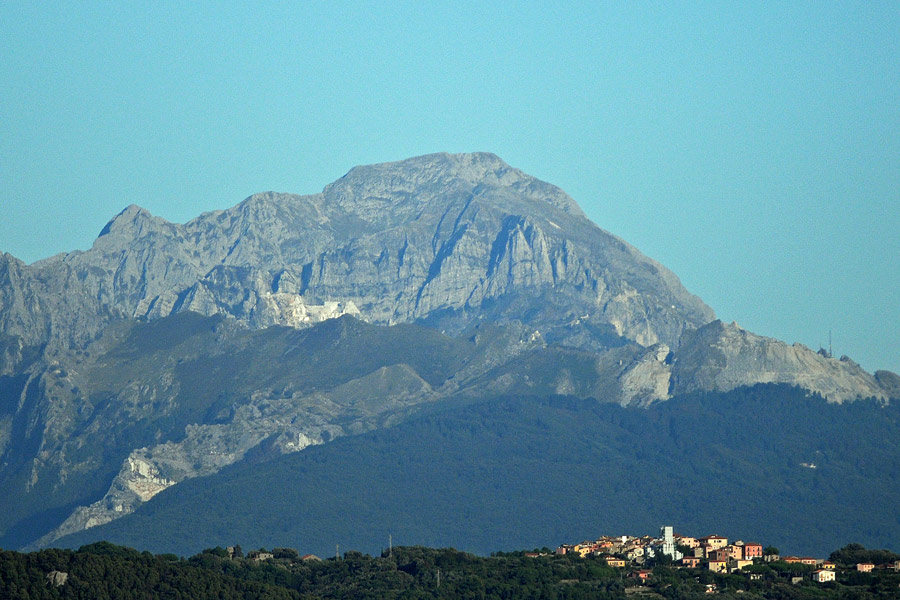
[714,541]
[791,559]
[808,560]
[718,566]
[864,567]
[684,540]
[827,564]
[612,561]
[691,562]
[823,575]
[258,557]
[741,563]
[584,549]
[722,554]
[643,574]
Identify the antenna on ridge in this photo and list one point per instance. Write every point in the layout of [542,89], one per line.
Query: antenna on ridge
[830,355]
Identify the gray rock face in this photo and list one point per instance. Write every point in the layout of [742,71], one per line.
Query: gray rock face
[889,382]
[722,356]
[452,237]
[536,299]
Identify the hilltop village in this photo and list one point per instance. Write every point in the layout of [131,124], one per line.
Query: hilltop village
[712,552]
[102,571]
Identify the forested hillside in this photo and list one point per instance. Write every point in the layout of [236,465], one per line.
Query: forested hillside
[764,463]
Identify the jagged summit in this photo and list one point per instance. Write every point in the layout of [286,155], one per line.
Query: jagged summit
[128,215]
[445,239]
[448,240]
[370,187]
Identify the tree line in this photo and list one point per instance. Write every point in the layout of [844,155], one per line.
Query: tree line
[102,571]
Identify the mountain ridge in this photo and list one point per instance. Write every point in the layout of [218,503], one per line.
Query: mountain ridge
[500,275]
[449,248]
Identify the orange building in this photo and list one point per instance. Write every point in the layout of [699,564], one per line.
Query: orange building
[691,562]
[643,574]
[752,551]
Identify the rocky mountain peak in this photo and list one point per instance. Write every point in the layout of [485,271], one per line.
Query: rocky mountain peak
[134,223]
[447,240]
[8,259]
[133,216]
[461,244]
[398,187]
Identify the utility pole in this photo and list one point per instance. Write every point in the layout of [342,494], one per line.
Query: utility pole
[390,545]
[337,552]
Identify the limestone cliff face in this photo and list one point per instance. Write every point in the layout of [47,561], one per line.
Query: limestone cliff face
[458,238]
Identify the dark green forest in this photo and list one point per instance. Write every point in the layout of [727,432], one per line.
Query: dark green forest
[522,472]
[102,571]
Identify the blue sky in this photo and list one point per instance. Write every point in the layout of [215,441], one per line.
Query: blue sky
[753,148]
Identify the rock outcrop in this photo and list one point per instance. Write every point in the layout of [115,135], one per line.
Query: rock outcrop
[722,356]
[448,238]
